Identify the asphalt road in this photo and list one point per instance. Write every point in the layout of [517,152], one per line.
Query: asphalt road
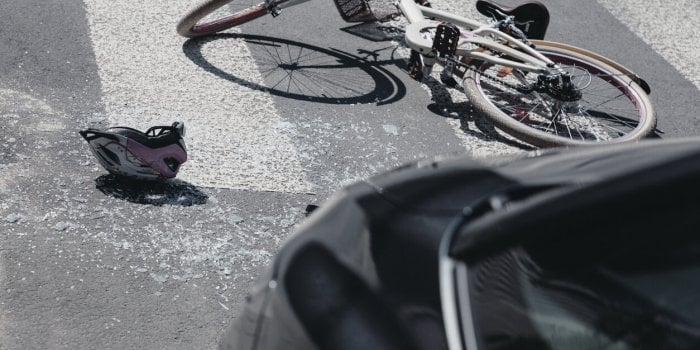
[89,261]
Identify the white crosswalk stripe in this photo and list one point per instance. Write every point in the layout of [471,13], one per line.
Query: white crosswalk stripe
[236,136]
[671,28]
[147,80]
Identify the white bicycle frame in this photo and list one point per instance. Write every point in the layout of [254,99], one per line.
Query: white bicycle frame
[474,37]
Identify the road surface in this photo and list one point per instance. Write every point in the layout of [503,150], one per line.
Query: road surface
[89,261]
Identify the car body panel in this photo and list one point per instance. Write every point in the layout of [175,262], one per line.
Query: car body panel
[362,270]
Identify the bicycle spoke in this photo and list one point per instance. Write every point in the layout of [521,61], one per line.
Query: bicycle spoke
[303,88]
[291,78]
[281,80]
[564,119]
[328,81]
[604,113]
[616,130]
[289,54]
[630,111]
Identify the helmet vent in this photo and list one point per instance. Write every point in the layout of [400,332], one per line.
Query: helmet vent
[111,155]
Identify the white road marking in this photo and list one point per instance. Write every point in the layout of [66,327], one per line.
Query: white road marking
[4,319]
[148,80]
[670,27]
[233,140]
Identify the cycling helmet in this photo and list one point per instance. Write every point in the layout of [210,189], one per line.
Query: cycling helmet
[154,155]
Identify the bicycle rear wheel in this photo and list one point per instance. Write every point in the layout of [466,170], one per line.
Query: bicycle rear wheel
[205,19]
[613,108]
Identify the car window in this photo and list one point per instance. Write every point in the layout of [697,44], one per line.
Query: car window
[607,290]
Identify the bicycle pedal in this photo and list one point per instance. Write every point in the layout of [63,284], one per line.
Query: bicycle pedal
[446,39]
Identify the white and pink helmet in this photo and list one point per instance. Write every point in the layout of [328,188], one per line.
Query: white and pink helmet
[154,155]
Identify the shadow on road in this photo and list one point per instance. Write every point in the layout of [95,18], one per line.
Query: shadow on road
[173,192]
[309,73]
[376,32]
[301,71]
[444,106]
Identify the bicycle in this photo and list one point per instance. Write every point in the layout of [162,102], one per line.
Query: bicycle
[540,92]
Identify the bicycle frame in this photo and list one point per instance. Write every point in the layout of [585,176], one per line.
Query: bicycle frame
[472,41]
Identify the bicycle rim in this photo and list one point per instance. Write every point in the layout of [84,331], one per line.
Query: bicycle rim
[217,15]
[613,109]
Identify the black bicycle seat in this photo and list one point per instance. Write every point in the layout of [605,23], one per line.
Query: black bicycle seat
[532,17]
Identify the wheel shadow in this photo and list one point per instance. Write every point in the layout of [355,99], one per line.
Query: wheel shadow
[172,192]
[444,106]
[301,71]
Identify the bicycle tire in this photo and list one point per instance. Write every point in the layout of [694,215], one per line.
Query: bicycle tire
[520,122]
[191,26]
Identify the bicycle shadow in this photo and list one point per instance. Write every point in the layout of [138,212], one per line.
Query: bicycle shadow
[157,193]
[304,72]
[376,32]
[334,76]
[444,106]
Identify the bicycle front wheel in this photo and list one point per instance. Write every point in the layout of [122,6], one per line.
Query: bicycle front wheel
[213,16]
[613,108]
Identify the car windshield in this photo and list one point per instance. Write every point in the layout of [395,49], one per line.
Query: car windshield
[609,290]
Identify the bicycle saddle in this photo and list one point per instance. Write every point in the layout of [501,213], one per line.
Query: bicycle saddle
[532,17]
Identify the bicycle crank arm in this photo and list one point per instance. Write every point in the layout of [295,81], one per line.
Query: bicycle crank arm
[637,79]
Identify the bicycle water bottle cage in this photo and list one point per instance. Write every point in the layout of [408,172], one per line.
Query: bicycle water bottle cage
[532,17]
[446,39]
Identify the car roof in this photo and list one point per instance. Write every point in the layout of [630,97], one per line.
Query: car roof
[640,187]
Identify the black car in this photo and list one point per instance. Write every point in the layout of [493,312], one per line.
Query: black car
[594,248]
